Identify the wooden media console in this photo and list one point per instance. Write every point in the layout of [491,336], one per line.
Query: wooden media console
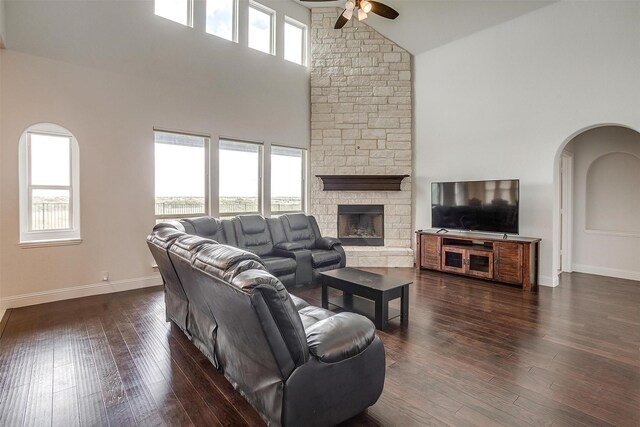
[514,260]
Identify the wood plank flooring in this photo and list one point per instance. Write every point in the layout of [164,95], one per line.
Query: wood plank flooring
[472,354]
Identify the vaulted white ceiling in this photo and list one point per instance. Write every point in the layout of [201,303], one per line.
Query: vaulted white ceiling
[427,24]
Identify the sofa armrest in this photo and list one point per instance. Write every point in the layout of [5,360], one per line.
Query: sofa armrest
[289,246]
[327,243]
[340,337]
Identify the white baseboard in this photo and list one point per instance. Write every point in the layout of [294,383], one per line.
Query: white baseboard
[78,292]
[609,272]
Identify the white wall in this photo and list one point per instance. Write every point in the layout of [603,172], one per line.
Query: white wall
[502,102]
[110,72]
[608,247]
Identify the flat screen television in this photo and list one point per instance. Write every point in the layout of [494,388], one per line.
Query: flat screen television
[490,206]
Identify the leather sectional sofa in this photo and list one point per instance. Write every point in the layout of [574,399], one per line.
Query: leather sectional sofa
[290,246]
[298,365]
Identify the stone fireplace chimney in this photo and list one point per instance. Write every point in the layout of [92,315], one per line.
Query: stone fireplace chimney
[361,101]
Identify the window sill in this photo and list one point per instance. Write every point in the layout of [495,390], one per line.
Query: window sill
[48,243]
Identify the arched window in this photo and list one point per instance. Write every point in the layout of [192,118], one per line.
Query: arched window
[49,185]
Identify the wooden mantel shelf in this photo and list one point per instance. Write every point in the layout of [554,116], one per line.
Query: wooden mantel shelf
[362,182]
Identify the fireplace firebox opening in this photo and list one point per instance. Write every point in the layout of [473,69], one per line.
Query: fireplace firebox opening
[361,225]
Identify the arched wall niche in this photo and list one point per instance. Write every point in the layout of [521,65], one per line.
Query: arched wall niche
[612,194]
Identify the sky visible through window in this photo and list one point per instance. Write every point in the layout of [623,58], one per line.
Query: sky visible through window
[293,40]
[220,18]
[175,10]
[50,159]
[259,30]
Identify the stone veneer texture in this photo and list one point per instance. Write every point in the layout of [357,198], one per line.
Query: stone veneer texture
[361,101]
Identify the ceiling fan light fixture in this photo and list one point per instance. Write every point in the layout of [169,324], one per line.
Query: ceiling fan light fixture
[350,5]
[361,15]
[366,6]
[348,14]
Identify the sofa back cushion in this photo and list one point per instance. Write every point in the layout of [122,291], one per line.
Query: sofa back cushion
[254,311]
[211,228]
[252,234]
[226,262]
[159,242]
[298,228]
[280,307]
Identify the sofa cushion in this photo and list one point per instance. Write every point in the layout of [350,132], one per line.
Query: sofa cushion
[187,245]
[321,258]
[281,308]
[340,337]
[252,224]
[298,229]
[226,262]
[311,315]
[298,302]
[279,265]
[211,228]
[252,234]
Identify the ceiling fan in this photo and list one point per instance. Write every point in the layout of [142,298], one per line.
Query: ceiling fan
[363,7]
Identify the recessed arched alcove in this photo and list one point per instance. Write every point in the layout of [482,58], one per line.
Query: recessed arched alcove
[612,197]
[598,189]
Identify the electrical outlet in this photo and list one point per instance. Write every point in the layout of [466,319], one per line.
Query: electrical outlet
[105,276]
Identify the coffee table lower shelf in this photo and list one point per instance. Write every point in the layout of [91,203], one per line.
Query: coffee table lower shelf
[363,306]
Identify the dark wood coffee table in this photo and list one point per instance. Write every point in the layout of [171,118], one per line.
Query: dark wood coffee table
[367,293]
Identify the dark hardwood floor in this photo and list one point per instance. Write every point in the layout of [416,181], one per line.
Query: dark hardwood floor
[472,353]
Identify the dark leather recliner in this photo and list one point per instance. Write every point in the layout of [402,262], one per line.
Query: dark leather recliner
[296,364]
[253,234]
[201,324]
[176,302]
[220,230]
[326,252]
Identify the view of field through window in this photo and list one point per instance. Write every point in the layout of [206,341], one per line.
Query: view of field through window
[182,193]
[180,171]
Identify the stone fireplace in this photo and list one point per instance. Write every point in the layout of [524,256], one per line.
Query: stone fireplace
[361,125]
[361,225]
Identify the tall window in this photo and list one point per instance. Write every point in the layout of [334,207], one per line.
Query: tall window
[295,41]
[181,175]
[240,176]
[261,28]
[49,184]
[287,179]
[180,11]
[221,18]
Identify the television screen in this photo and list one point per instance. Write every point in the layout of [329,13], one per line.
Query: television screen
[476,205]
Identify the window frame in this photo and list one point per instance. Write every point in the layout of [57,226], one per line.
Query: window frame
[261,150]
[305,38]
[189,22]
[207,204]
[272,33]
[28,236]
[303,190]
[234,23]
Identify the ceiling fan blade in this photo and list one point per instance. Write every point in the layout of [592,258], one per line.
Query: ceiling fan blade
[341,21]
[383,10]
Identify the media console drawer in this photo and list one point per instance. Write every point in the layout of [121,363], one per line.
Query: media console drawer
[513,260]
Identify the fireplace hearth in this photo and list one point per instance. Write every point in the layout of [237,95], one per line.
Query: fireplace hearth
[361,225]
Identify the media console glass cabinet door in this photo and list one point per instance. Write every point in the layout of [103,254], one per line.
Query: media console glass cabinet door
[512,261]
